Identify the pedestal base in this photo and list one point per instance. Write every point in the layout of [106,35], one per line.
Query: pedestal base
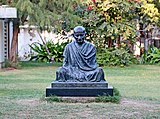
[77,89]
[81,91]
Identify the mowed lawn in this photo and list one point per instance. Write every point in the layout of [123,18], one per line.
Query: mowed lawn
[22,92]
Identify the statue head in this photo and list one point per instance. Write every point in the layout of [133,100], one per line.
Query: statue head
[79,34]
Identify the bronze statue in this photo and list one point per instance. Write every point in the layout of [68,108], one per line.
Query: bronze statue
[79,61]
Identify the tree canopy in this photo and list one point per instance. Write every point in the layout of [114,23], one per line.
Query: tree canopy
[46,13]
[105,20]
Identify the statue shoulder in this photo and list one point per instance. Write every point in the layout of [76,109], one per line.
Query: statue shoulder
[69,44]
[89,44]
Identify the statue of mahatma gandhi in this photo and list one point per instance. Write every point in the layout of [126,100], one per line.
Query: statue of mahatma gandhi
[79,75]
[79,61]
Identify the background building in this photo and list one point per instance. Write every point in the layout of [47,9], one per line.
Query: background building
[7,15]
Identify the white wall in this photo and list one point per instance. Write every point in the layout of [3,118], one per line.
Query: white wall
[28,36]
[24,39]
[8,12]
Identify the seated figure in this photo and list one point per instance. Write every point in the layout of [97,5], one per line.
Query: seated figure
[79,63]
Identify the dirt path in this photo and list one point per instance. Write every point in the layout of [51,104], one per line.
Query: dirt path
[78,109]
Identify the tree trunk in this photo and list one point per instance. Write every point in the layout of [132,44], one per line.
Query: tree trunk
[14,43]
[118,42]
[109,43]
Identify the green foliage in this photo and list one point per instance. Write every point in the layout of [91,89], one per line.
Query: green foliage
[56,51]
[153,56]
[110,19]
[114,99]
[46,14]
[53,99]
[150,10]
[2,2]
[8,63]
[114,57]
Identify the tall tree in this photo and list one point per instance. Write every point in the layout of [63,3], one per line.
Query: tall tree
[150,10]
[45,14]
[111,19]
[108,20]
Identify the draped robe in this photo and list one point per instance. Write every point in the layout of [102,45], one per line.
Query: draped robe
[79,64]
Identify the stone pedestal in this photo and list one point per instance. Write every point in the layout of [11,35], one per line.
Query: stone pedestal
[77,89]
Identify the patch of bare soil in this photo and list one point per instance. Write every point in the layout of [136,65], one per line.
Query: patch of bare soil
[8,69]
[29,102]
[138,108]
[127,108]
[139,103]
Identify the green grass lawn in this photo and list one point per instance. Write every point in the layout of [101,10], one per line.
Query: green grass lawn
[22,90]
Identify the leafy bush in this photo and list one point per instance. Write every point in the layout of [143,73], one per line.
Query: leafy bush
[53,99]
[41,54]
[114,57]
[103,57]
[9,63]
[153,56]
[114,99]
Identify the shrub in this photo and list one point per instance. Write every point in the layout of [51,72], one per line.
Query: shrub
[9,63]
[55,49]
[153,56]
[105,98]
[53,99]
[114,57]
[103,57]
